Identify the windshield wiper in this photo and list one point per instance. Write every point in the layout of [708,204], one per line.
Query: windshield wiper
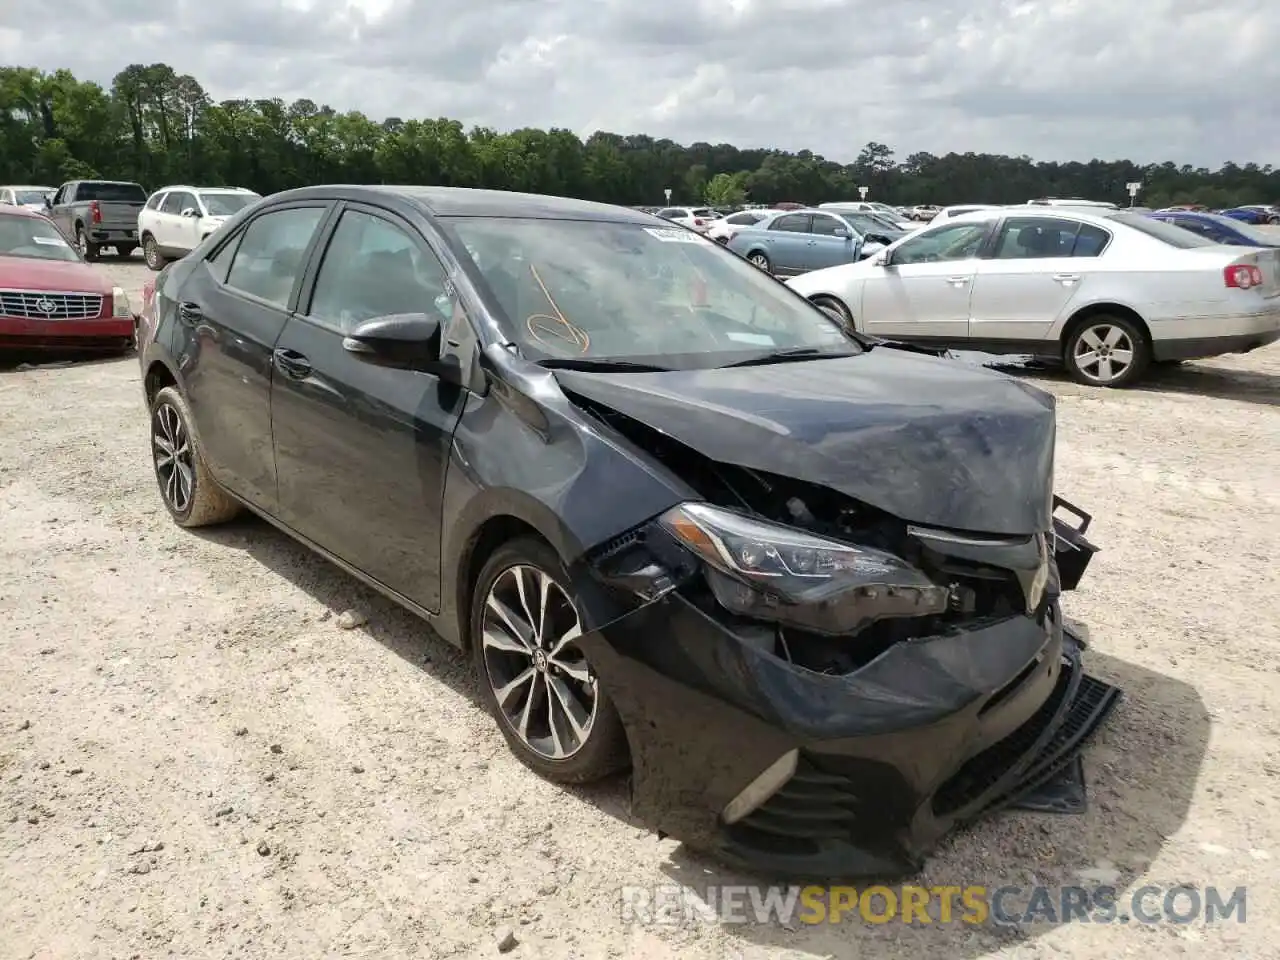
[790,353]
[600,365]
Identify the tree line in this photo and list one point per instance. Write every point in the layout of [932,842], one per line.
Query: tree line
[157,126]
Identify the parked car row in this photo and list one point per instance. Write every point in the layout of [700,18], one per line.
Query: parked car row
[1106,293]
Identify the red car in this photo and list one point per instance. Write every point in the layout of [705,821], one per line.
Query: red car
[50,299]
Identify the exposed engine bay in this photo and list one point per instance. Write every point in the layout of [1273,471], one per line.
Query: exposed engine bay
[972,579]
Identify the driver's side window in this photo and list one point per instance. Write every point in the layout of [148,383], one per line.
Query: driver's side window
[955,241]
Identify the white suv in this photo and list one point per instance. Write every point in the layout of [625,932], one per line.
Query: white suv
[177,218]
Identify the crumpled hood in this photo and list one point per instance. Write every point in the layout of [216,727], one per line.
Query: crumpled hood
[932,441]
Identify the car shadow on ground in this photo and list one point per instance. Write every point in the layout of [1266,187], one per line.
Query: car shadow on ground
[1136,801]
[1202,379]
[21,361]
[400,631]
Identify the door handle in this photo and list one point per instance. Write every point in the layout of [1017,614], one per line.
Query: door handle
[957,281]
[1066,277]
[292,364]
[813,243]
[189,313]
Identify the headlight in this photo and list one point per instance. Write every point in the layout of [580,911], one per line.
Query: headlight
[771,572]
[120,303]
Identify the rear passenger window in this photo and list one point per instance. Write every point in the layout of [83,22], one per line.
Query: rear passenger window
[374,268]
[1090,241]
[269,259]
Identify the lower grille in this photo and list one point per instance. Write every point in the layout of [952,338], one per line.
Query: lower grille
[38,305]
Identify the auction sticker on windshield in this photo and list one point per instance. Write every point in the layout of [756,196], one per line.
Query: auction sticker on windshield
[674,236]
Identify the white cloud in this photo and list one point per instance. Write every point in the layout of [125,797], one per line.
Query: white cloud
[1057,79]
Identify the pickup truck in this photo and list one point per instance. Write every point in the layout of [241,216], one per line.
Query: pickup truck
[99,213]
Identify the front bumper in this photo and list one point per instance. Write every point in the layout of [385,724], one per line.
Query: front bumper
[930,734]
[111,334]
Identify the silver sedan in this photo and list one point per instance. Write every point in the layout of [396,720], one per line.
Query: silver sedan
[1106,293]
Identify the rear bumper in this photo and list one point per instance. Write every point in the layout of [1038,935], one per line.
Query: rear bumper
[1194,337]
[115,333]
[100,234]
[888,759]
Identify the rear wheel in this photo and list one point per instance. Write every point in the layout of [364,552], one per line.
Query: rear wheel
[88,249]
[525,629]
[189,491]
[1107,351]
[151,253]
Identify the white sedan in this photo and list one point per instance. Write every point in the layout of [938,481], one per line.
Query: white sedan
[1104,293]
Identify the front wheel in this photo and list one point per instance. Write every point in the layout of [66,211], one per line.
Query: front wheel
[759,259]
[525,628]
[835,309]
[151,253]
[1107,351]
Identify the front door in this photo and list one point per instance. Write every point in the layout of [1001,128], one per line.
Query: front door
[787,243]
[922,293]
[361,450]
[231,310]
[831,242]
[1037,267]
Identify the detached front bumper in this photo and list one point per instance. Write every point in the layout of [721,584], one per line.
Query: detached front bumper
[931,733]
[111,334]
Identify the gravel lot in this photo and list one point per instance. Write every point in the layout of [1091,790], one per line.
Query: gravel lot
[196,760]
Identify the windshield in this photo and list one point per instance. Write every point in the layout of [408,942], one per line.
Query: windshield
[869,222]
[30,196]
[581,290]
[33,237]
[1166,232]
[226,204]
[109,192]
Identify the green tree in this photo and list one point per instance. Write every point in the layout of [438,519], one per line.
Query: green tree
[726,189]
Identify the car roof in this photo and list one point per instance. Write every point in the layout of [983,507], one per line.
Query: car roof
[471,202]
[186,186]
[25,186]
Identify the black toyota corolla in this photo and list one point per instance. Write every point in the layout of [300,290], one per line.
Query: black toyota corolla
[803,584]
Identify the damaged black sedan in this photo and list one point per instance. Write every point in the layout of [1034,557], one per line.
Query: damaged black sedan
[804,584]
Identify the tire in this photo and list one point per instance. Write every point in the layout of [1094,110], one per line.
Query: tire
[561,756]
[1120,335]
[200,502]
[88,249]
[151,253]
[758,258]
[835,308]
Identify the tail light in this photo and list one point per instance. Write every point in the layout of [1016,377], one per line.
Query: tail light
[95,211]
[1242,276]
[699,222]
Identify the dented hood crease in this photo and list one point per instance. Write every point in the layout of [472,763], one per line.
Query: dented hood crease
[931,441]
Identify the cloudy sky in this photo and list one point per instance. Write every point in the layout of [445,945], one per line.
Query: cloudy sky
[1185,80]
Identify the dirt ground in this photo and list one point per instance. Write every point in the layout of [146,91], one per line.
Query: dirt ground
[196,760]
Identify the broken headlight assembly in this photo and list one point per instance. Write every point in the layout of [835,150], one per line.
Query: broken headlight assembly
[789,576]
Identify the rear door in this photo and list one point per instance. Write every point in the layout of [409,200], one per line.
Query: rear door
[232,309]
[786,241]
[923,291]
[362,449]
[1034,270]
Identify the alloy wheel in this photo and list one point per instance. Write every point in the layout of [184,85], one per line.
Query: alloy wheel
[150,252]
[759,260]
[82,244]
[171,449]
[1104,352]
[540,679]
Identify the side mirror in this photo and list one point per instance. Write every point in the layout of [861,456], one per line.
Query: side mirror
[881,260]
[48,203]
[842,233]
[406,341]
[190,212]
